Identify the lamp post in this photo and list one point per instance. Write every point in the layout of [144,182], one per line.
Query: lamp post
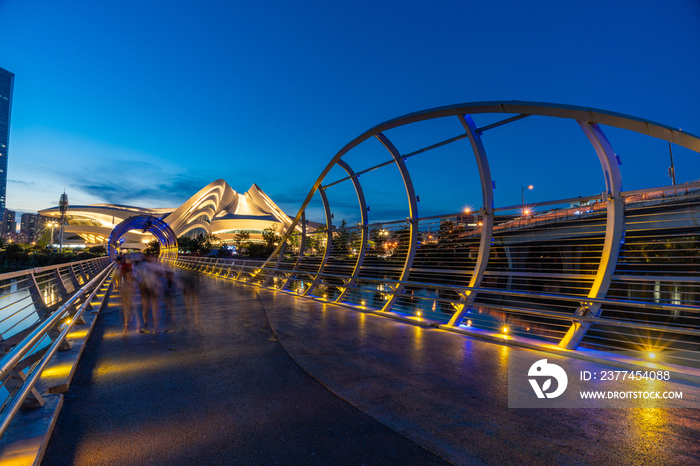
[522,194]
[63,208]
[52,225]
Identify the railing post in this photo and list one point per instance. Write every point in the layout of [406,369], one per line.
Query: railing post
[62,290]
[15,380]
[82,273]
[37,298]
[73,277]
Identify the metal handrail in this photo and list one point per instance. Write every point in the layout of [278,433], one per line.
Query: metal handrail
[460,288]
[10,361]
[47,268]
[560,315]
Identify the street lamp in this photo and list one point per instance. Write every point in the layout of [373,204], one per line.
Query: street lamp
[52,225]
[522,194]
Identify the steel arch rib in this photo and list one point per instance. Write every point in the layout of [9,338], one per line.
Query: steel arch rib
[365,234]
[613,233]
[487,216]
[413,219]
[329,242]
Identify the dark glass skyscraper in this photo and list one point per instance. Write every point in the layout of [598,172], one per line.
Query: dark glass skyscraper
[7,82]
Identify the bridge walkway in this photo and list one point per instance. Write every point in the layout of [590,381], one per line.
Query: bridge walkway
[216,388]
[258,377]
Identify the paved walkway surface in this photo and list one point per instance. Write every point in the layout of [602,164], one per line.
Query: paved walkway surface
[449,393]
[258,377]
[218,389]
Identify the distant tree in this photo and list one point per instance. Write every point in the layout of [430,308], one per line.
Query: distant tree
[153,247]
[14,253]
[258,250]
[311,244]
[3,242]
[240,239]
[200,244]
[98,250]
[343,238]
[355,243]
[185,244]
[271,238]
[376,237]
[209,241]
[294,240]
[447,235]
[318,239]
[44,238]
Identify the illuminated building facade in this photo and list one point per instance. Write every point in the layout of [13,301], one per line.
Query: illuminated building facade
[216,209]
[7,82]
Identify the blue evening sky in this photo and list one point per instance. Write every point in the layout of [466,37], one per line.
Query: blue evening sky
[145,102]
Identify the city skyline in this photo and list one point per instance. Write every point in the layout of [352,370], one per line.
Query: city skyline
[254,95]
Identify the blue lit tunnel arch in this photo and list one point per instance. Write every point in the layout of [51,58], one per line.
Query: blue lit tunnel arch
[148,224]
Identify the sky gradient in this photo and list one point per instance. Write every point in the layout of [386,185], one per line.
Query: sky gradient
[144,103]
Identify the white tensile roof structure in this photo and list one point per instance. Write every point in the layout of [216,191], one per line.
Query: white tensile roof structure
[216,209]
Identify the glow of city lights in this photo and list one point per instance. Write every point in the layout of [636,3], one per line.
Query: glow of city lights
[652,355]
[504,329]
[469,323]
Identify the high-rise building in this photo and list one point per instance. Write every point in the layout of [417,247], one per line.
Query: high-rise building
[8,224]
[29,228]
[7,83]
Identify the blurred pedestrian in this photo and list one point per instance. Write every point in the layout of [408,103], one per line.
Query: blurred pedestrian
[148,278]
[126,292]
[190,291]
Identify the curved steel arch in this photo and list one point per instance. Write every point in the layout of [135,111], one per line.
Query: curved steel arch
[154,225]
[591,115]
[589,119]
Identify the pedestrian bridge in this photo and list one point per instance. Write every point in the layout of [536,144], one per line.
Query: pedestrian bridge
[378,341]
[253,376]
